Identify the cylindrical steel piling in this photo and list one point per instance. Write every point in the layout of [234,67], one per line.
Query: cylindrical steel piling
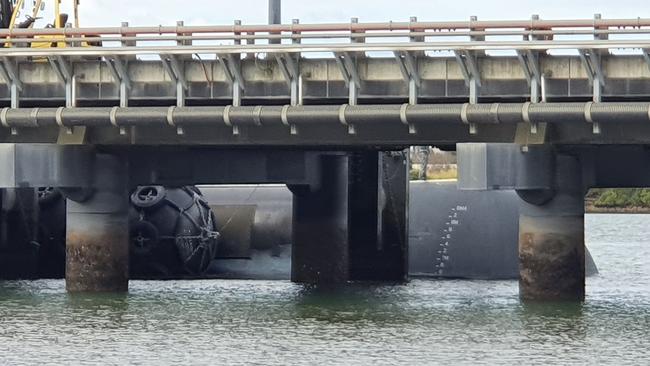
[97,233]
[551,240]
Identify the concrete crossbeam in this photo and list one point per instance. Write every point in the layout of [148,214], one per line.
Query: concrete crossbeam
[441,79]
[45,165]
[505,166]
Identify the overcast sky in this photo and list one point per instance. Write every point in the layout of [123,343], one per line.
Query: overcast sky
[199,12]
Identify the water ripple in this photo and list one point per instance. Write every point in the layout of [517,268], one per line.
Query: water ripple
[279,323]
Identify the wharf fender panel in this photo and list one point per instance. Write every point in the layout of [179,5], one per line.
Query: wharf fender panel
[45,165]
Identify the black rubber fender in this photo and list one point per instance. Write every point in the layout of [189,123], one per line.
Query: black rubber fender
[148,197]
[48,195]
[144,237]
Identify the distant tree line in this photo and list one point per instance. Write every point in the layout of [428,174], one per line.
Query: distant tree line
[620,197]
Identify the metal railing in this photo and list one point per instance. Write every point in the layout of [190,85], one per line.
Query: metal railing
[530,25]
[466,40]
[423,32]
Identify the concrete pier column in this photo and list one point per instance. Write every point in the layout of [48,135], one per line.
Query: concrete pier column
[353,225]
[97,233]
[551,238]
[320,226]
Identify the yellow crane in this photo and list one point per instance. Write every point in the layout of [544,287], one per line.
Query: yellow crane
[60,19]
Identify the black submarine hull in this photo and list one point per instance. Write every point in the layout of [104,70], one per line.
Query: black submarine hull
[452,233]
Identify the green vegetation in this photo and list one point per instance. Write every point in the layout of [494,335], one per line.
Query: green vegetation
[620,198]
[448,172]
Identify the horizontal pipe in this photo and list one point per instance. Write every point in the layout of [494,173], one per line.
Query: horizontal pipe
[269,116]
[332,27]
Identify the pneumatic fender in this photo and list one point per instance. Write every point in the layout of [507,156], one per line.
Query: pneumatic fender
[144,237]
[148,197]
[173,231]
[196,234]
[48,196]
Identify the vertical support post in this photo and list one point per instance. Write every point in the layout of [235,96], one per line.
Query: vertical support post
[124,87]
[180,88]
[414,21]
[275,17]
[275,11]
[357,39]
[125,27]
[414,89]
[378,200]
[597,36]
[535,79]
[124,94]
[15,95]
[354,58]
[97,233]
[598,80]
[423,153]
[475,38]
[551,239]
[296,81]
[354,224]
[473,83]
[71,91]
[320,226]
[182,42]
[596,56]
[236,88]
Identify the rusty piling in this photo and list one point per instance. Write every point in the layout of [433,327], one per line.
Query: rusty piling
[97,234]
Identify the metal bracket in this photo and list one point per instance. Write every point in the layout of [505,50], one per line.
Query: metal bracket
[176,71]
[408,66]
[61,67]
[468,67]
[119,71]
[467,61]
[232,67]
[64,71]
[591,60]
[530,64]
[290,69]
[11,75]
[348,66]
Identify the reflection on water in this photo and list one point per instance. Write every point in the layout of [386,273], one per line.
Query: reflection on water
[423,322]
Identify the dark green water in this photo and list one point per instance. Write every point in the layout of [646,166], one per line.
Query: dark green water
[279,323]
